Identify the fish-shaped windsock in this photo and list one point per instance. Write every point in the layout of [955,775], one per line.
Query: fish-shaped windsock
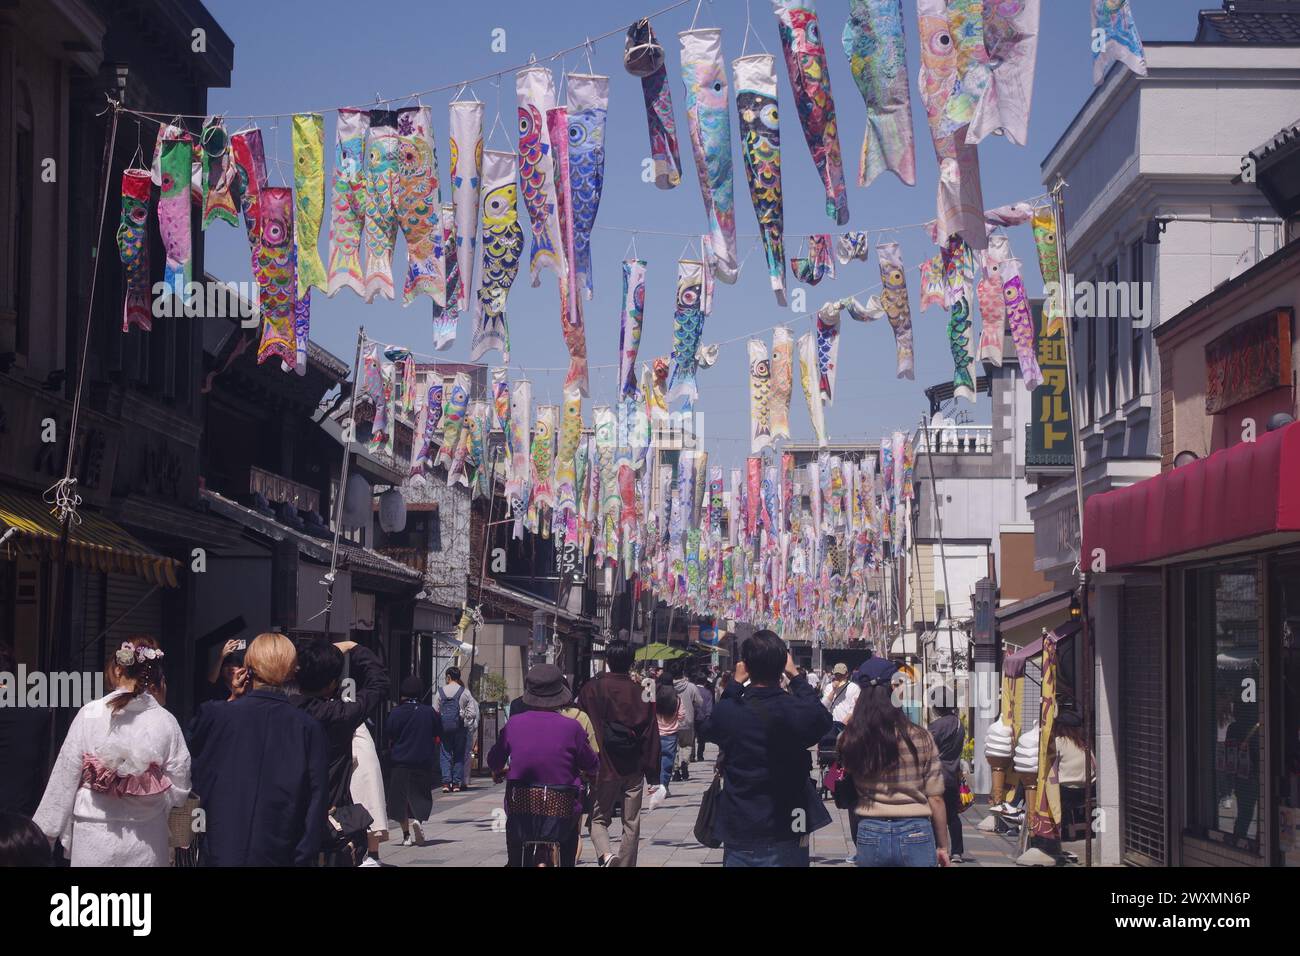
[133,248]
[760,145]
[587,111]
[877,52]
[503,245]
[705,78]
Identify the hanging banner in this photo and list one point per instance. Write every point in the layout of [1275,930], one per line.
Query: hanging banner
[347,205]
[535,88]
[809,379]
[453,419]
[309,199]
[629,330]
[705,78]
[466,143]
[219,176]
[782,382]
[1044,225]
[503,245]
[566,465]
[644,57]
[959,273]
[805,60]
[1011,39]
[760,382]
[892,303]
[1050,443]
[417,204]
[818,264]
[542,465]
[993,307]
[588,109]
[133,249]
[521,417]
[1022,323]
[877,52]
[380,228]
[760,145]
[277,280]
[427,430]
[1112,20]
[571,321]
[446,318]
[688,326]
[174,212]
[828,349]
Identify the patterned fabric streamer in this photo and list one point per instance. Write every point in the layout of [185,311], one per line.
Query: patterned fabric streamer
[1050,267]
[877,52]
[459,469]
[588,109]
[760,145]
[571,323]
[535,88]
[453,418]
[828,348]
[760,383]
[501,405]
[301,329]
[309,199]
[417,202]
[852,245]
[503,245]
[993,308]
[1021,321]
[276,279]
[347,205]
[219,180]
[663,128]
[808,378]
[466,143]
[891,302]
[705,78]
[521,412]
[688,325]
[133,248]
[428,429]
[542,464]
[566,475]
[174,212]
[1114,18]
[629,332]
[782,382]
[380,228]
[611,501]
[754,498]
[959,267]
[805,59]
[933,290]
[250,173]
[446,318]
[818,264]
[479,425]
[1011,39]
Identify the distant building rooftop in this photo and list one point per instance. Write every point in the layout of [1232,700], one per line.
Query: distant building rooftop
[1262,22]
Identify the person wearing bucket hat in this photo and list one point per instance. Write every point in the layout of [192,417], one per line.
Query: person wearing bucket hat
[542,754]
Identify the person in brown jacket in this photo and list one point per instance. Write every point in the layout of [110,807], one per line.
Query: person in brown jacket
[623,715]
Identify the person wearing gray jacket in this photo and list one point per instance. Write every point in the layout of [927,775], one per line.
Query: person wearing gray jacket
[689,695]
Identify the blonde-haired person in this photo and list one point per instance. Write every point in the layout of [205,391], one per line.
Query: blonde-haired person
[261,768]
[122,768]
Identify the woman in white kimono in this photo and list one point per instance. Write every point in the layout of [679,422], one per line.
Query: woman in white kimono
[123,766]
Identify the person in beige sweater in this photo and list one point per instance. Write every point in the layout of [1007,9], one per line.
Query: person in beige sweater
[900,818]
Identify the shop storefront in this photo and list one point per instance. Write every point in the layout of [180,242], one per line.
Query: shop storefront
[1207,559]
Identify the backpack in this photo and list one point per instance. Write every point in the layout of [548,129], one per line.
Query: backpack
[623,744]
[452,720]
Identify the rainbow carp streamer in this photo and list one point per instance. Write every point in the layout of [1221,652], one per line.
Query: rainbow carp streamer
[760,145]
[877,52]
[707,117]
[805,60]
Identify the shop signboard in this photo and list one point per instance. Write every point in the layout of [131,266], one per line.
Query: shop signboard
[1049,442]
[1249,359]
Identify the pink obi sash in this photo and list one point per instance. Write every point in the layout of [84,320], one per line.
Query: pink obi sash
[101,779]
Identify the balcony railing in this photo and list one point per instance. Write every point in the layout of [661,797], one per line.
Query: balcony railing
[957,440]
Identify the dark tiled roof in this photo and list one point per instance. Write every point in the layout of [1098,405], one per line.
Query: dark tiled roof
[1285,140]
[1263,22]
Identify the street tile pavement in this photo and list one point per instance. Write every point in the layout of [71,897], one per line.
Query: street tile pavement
[464,829]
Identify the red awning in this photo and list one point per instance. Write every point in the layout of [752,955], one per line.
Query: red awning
[1242,492]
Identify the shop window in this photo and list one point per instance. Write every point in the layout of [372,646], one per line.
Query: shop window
[1225,705]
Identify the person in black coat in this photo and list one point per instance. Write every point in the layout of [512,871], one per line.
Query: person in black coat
[768,804]
[413,729]
[261,769]
[24,743]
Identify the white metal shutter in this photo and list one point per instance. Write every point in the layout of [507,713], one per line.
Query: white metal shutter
[1142,727]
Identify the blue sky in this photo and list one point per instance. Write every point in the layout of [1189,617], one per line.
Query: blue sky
[300,55]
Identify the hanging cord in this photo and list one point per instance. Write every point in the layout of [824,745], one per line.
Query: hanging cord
[749,28]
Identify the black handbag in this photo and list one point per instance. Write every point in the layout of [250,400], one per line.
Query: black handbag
[845,793]
[709,810]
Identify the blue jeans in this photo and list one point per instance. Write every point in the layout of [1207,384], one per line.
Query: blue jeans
[906,841]
[667,757]
[786,853]
[453,756]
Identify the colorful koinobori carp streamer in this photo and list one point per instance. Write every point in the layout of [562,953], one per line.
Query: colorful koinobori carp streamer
[782,382]
[453,418]
[309,199]
[629,332]
[688,326]
[809,379]
[466,144]
[347,202]
[174,212]
[566,464]
[500,390]
[277,280]
[934,291]
[480,424]
[503,246]
[372,392]
[828,349]
[542,466]
[250,175]
[993,307]
[1011,43]
[960,197]
[446,318]
[818,264]
[428,428]
[588,108]
[521,417]
[852,245]
[1049,264]
[417,203]
[1114,19]
[644,57]
[877,52]
[571,321]
[892,303]
[959,274]
[378,198]
[760,145]
[219,178]
[133,248]
[1021,321]
[535,88]
[760,384]
[705,78]
[805,59]
[611,502]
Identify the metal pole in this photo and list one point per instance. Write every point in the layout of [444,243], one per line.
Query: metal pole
[938,518]
[1085,633]
[492,492]
[349,433]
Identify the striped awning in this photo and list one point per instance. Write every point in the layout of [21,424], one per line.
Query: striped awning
[94,542]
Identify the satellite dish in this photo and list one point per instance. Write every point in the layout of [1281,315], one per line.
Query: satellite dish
[356,503]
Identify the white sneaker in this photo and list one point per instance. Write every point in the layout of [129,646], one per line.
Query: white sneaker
[658,797]
[417,832]
[407,841]
[370,861]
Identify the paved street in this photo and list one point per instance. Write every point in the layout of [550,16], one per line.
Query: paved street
[460,832]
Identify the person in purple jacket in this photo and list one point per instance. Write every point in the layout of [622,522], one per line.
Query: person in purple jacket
[546,754]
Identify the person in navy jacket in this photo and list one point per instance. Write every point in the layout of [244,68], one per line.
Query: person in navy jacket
[261,769]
